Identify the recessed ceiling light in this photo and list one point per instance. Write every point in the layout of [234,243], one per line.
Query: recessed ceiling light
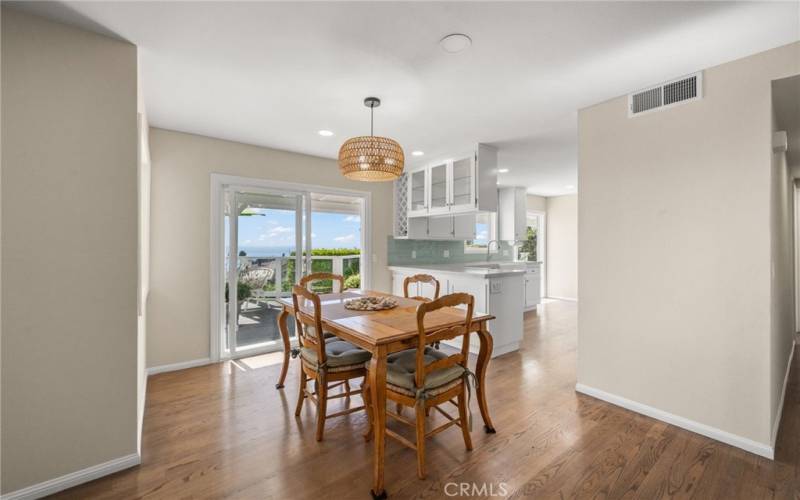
[417,153]
[325,133]
[502,170]
[455,43]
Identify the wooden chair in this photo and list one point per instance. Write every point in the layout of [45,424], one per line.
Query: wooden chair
[324,360]
[424,378]
[306,281]
[421,278]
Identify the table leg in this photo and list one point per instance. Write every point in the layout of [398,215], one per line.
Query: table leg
[287,348]
[377,384]
[484,354]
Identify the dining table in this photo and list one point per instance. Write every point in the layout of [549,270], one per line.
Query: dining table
[383,333]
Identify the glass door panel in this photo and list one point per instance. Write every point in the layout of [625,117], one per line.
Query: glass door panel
[438,175]
[261,262]
[336,239]
[416,195]
[463,183]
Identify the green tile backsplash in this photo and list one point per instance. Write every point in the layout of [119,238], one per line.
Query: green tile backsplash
[432,252]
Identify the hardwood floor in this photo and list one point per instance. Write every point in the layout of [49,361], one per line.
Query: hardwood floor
[224,431]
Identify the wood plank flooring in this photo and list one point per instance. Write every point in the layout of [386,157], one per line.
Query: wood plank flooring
[224,431]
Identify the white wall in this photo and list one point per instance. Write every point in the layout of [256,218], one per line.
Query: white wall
[561,258]
[675,250]
[69,260]
[178,327]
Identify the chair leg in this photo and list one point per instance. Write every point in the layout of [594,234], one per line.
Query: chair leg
[367,397]
[420,421]
[322,407]
[302,395]
[462,416]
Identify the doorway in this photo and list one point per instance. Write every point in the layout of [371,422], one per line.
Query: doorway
[265,237]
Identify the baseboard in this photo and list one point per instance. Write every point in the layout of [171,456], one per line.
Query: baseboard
[178,366]
[777,424]
[568,299]
[678,421]
[74,479]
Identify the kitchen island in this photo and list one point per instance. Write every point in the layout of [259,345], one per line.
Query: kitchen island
[499,289]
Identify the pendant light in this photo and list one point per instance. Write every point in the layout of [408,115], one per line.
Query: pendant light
[370,158]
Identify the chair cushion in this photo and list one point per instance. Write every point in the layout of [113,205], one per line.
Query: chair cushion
[311,331]
[339,352]
[401,366]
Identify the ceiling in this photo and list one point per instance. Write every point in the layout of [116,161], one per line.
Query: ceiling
[273,74]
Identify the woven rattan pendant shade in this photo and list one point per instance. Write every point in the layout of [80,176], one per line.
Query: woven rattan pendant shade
[370,158]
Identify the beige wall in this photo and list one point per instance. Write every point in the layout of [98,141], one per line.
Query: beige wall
[178,329]
[537,203]
[675,250]
[69,239]
[561,258]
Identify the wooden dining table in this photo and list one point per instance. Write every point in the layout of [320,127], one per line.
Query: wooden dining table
[382,333]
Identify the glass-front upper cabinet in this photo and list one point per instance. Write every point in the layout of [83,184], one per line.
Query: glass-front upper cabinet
[417,193]
[462,184]
[439,189]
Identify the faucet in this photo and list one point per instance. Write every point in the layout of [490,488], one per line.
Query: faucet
[489,248]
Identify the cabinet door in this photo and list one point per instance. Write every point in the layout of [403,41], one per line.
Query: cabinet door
[397,283]
[418,228]
[477,287]
[462,184]
[428,290]
[464,227]
[417,193]
[532,287]
[440,228]
[438,188]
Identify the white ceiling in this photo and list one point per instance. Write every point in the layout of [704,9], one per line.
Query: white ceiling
[274,74]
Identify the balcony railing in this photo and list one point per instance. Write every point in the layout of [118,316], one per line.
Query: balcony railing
[269,277]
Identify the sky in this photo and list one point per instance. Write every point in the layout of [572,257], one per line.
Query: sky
[276,228]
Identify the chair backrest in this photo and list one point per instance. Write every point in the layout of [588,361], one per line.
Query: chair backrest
[421,278]
[447,333]
[303,320]
[305,281]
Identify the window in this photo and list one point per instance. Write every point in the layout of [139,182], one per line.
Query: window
[485,231]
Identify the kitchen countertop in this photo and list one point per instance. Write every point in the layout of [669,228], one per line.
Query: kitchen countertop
[497,269]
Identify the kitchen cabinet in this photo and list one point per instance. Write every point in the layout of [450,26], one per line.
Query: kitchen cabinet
[502,296]
[451,227]
[533,287]
[465,184]
[512,223]
[417,193]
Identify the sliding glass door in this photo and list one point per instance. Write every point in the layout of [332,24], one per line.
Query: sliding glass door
[263,253]
[270,239]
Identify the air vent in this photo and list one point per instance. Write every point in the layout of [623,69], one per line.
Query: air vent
[667,94]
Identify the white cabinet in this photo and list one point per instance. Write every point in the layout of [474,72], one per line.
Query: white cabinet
[502,297]
[417,193]
[478,287]
[533,288]
[511,214]
[466,184]
[451,227]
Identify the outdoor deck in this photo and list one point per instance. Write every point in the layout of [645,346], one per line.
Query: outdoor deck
[259,324]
